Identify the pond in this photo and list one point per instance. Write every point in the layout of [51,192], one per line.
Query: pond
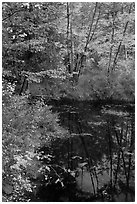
[100,149]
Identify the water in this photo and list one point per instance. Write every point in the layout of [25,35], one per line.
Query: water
[100,150]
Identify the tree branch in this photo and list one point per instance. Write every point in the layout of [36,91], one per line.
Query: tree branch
[10,15]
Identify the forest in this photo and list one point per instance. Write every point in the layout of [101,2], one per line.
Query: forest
[68,101]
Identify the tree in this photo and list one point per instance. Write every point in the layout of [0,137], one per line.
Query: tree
[78,50]
[29,40]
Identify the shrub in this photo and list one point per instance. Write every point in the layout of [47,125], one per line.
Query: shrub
[26,127]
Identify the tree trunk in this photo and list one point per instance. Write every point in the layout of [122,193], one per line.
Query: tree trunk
[71,40]
[118,50]
[112,39]
[90,29]
[89,38]
[68,24]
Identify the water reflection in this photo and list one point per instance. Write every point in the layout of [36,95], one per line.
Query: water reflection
[100,149]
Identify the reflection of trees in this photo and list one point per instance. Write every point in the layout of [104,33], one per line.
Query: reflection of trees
[94,134]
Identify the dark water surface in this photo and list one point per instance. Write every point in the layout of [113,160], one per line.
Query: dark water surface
[100,150]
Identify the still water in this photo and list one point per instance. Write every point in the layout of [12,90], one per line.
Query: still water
[100,149]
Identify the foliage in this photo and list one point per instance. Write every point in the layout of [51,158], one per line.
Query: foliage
[25,129]
[99,45]
[53,50]
[96,86]
[30,38]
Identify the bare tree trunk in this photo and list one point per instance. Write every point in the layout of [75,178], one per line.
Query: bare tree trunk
[89,37]
[71,39]
[118,50]
[90,28]
[68,25]
[95,25]
[112,39]
[24,85]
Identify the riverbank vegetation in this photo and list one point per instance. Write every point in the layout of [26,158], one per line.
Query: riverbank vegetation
[57,58]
